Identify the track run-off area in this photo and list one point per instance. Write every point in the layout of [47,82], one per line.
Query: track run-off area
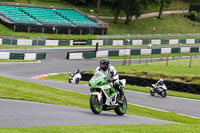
[16,113]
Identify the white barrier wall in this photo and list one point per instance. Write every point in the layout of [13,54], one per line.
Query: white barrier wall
[190,41]
[165,50]
[185,49]
[137,42]
[102,54]
[24,42]
[0,41]
[145,51]
[124,52]
[51,43]
[71,42]
[30,56]
[117,42]
[4,55]
[94,42]
[156,42]
[75,55]
[173,41]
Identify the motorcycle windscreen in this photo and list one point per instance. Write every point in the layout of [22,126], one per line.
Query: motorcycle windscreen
[98,75]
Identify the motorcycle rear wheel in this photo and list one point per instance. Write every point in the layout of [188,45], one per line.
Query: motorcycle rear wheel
[152,93]
[121,110]
[95,105]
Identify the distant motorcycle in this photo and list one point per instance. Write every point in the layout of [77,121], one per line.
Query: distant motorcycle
[74,78]
[158,89]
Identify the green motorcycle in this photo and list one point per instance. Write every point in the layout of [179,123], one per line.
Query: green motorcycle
[104,96]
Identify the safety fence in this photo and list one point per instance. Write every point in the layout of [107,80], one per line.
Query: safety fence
[127,52]
[171,85]
[22,56]
[43,42]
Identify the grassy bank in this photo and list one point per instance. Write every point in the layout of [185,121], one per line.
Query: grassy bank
[169,24]
[169,93]
[176,70]
[109,128]
[7,61]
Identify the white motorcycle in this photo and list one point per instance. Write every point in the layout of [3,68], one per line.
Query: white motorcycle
[158,89]
[74,78]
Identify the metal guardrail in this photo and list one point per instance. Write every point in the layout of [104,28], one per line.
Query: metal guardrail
[137,36]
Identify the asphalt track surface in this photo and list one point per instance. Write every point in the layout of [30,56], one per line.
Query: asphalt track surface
[11,111]
[28,114]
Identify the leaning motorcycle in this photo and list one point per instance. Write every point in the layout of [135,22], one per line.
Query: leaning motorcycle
[74,78]
[160,90]
[104,96]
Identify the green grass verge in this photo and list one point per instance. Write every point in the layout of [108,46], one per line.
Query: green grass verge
[38,93]
[177,70]
[6,61]
[64,77]
[169,93]
[14,89]
[109,128]
[169,24]
[61,77]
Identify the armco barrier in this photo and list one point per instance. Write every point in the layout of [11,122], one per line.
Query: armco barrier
[171,85]
[122,52]
[22,56]
[40,42]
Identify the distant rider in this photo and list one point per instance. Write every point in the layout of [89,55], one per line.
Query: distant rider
[159,83]
[111,75]
[76,72]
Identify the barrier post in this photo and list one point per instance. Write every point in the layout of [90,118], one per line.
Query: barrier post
[129,60]
[167,60]
[190,60]
[97,46]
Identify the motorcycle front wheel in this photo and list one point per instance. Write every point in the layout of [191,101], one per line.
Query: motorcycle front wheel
[95,105]
[121,110]
[164,93]
[77,81]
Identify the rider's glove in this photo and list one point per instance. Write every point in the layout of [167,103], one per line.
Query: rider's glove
[108,80]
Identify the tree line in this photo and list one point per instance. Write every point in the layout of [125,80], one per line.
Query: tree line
[129,8]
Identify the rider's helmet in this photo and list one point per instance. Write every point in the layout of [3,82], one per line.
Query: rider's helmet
[104,63]
[78,71]
[161,82]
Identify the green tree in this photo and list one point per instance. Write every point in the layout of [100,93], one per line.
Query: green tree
[163,4]
[133,8]
[117,7]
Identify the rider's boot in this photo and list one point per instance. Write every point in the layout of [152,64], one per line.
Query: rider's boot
[121,92]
